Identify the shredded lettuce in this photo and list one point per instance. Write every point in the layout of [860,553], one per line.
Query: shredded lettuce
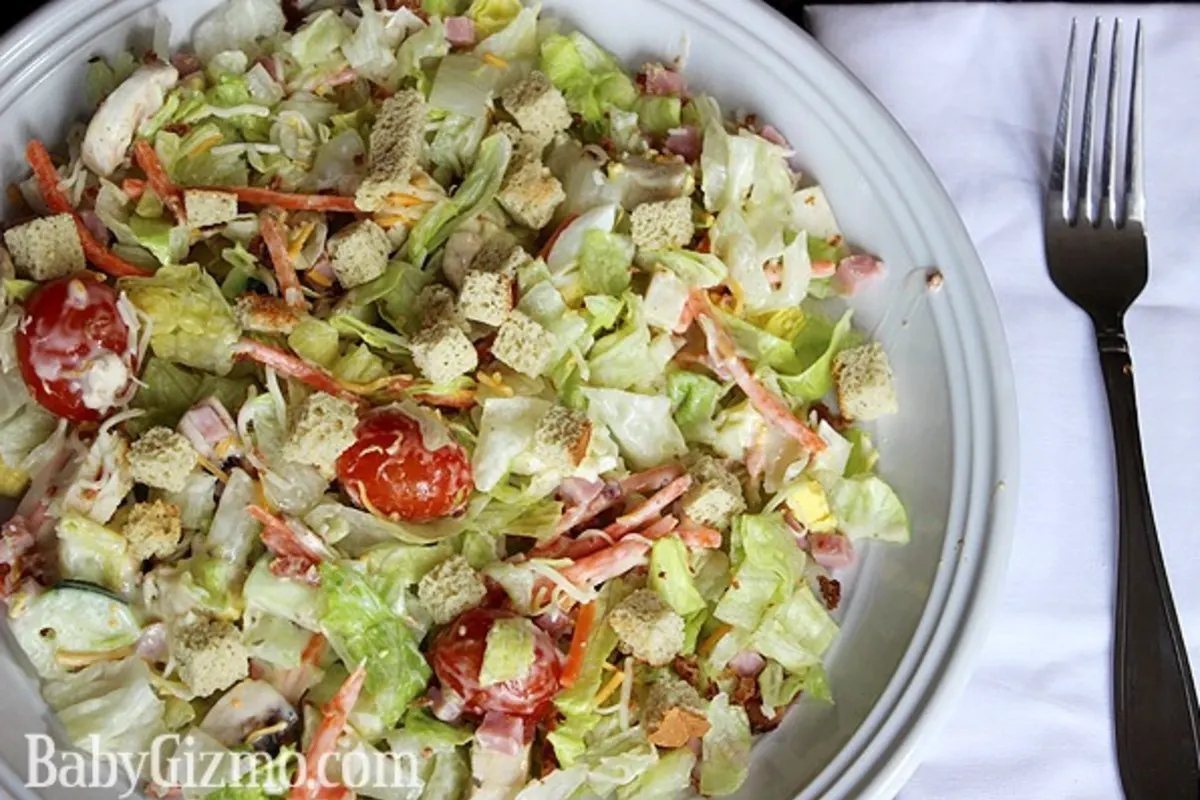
[111,701]
[641,424]
[867,508]
[604,262]
[659,115]
[491,16]
[694,399]
[697,270]
[768,565]
[475,192]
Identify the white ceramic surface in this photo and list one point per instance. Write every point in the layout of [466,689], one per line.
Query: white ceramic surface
[911,616]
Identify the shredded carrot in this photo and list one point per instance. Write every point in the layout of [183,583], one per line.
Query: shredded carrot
[289,283]
[313,650]
[47,179]
[158,178]
[710,642]
[579,643]
[293,366]
[562,226]
[290,201]
[613,684]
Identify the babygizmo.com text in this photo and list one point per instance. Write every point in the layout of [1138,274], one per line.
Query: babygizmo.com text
[173,762]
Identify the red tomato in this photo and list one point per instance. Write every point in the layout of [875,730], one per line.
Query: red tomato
[67,326]
[389,471]
[457,655]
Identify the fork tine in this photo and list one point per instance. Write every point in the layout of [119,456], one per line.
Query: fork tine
[1060,161]
[1108,162]
[1135,190]
[1087,180]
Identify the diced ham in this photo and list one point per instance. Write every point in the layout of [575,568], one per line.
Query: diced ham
[446,704]
[854,271]
[684,142]
[773,136]
[91,220]
[747,663]
[211,430]
[831,550]
[661,81]
[460,31]
[502,733]
[579,491]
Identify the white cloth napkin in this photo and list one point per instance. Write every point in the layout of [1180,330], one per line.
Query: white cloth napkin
[976,86]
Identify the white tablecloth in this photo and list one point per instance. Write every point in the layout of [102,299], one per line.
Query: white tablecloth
[976,86]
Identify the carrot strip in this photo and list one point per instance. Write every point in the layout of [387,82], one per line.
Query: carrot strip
[310,783]
[660,528]
[158,178]
[290,201]
[47,179]
[698,537]
[579,642]
[607,563]
[134,188]
[289,283]
[287,364]
[279,538]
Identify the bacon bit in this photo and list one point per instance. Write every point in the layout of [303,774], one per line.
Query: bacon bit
[158,178]
[579,643]
[706,647]
[309,784]
[48,179]
[771,406]
[677,726]
[290,201]
[289,283]
[831,591]
[688,669]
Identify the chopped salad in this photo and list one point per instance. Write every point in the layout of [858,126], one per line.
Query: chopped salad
[419,381]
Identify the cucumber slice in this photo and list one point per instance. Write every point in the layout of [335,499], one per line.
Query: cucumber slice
[75,617]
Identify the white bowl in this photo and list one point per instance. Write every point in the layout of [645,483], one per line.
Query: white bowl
[912,616]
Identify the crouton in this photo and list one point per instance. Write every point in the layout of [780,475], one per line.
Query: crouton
[486,297]
[322,430]
[163,459]
[500,254]
[47,248]
[359,253]
[663,224]
[648,627]
[450,588]
[523,345]
[443,352]
[863,379]
[715,496]
[561,438]
[530,194]
[153,529]
[262,313]
[537,106]
[673,713]
[210,655]
[395,146]
[524,145]
[437,303]
[205,207]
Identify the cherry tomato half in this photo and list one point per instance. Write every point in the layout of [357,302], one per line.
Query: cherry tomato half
[457,656]
[69,328]
[389,471]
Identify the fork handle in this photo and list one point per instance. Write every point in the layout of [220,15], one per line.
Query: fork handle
[1157,720]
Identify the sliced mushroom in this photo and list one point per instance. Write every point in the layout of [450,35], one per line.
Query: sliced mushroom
[253,713]
[111,130]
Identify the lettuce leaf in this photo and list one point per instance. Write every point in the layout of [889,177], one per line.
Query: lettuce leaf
[491,16]
[604,262]
[867,508]
[725,749]
[591,80]
[112,701]
[796,633]
[667,779]
[506,429]
[816,346]
[192,323]
[694,399]
[671,577]
[642,425]
[768,565]
[361,628]
[697,270]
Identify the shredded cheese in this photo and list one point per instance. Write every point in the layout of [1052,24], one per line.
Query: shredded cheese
[607,690]
[300,239]
[543,568]
[212,468]
[626,694]
[494,60]
[402,200]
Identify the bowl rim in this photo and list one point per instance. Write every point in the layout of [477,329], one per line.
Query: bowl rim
[882,754]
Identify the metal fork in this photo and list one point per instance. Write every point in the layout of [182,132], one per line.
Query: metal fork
[1096,251]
